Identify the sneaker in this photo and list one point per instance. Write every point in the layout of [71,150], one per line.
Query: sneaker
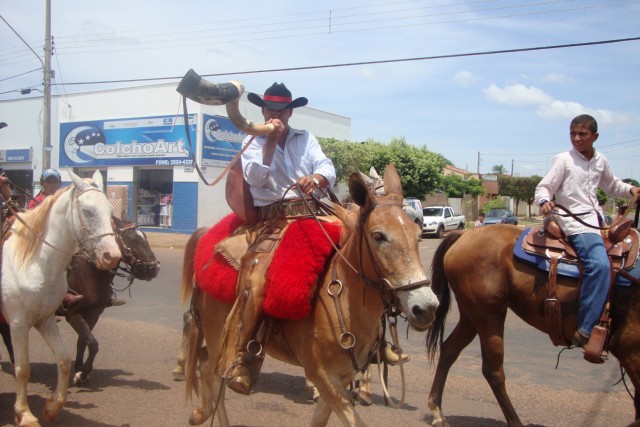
[579,340]
[70,300]
[115,301]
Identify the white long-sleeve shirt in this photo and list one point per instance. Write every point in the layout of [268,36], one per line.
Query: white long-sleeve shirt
[301,156]
[574,181]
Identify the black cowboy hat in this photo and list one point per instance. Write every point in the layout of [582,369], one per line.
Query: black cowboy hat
[277,97]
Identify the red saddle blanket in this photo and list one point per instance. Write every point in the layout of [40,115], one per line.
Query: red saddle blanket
[297,263]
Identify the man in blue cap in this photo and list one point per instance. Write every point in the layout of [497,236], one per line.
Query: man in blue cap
[50,181]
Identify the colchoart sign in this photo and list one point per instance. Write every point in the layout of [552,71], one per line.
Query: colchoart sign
[136,141]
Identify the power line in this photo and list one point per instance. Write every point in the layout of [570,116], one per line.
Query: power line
[21,74]
[383,61]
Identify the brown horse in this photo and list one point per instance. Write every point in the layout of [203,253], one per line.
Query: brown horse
[95,285]
[486,279]
[383,244]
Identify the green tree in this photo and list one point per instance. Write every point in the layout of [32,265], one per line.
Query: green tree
[419,168]
[457,186]
[499,169]
[519,188]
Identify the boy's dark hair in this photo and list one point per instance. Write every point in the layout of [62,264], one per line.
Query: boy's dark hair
[585,120]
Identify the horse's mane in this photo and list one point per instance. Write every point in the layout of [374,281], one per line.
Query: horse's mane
[28,241]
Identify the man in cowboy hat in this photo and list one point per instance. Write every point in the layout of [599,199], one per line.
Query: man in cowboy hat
[271,165]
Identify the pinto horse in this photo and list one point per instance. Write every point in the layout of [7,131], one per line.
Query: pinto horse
[35,257]
[383,244]
[95,285]
[478,265]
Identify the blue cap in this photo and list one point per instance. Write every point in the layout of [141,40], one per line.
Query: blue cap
[51,172]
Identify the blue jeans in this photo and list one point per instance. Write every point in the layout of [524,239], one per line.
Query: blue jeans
[595,279]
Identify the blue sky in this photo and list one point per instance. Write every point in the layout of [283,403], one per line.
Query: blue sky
[505,109]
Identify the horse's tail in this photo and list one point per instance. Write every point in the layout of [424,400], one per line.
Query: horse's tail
[195,350]
[440,287]
[188,270]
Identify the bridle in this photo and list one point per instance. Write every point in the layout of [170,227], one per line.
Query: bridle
[134,267]
[75,196]
[87,237]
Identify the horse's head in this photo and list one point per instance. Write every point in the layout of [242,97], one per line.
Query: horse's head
[91,216]
[389,248]
[136,251]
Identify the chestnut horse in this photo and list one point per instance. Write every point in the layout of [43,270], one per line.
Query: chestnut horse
[382,243]
[95,285]
[479,267]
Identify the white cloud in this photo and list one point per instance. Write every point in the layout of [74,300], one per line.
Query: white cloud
[556,78]
[465,78]
[569,109]
[517,94]
[367,73]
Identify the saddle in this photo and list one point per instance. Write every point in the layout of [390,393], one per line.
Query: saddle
[548,241]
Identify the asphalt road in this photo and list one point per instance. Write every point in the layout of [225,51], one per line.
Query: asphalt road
[132,383]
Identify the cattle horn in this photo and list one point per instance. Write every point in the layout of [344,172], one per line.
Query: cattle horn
[200,90]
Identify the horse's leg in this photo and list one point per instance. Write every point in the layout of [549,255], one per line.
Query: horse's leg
[460,337]
[20,338]
[178,371]
[321,413]
[364,395]
[51,334]
[83,324]
[491,333]
[6,337]
[334,397]
[207,384]
[213,316]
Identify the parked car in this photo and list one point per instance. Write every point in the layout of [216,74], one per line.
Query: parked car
[413,208]
[438,219]
[500,216]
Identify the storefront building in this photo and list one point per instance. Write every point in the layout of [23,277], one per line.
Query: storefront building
[137,138]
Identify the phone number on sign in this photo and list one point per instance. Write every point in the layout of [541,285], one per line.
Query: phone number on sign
[174,162]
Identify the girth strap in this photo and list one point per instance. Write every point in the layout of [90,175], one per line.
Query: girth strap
[552,306]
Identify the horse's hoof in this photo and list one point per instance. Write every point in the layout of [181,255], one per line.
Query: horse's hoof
[440,423]
[27,421]
[197,418]
[365,399]
[178,375]
[78,379]
[51,410]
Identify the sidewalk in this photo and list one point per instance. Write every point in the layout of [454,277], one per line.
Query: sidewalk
[167,240]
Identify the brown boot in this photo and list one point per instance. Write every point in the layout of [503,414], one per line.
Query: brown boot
[246,373]
[393,356]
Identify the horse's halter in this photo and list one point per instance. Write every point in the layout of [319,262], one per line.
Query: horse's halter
[384,286]
[85,232]
[135,267]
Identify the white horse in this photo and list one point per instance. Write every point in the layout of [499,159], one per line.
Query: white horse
[34,260]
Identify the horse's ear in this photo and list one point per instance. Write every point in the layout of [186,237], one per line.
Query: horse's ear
[373,173]
[97,178]
[359,190]
[77,181]
[392,183]
[366,178]
[117,221]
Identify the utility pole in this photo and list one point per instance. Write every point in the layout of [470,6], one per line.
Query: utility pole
[478,163]
[46,109]
[511,167]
